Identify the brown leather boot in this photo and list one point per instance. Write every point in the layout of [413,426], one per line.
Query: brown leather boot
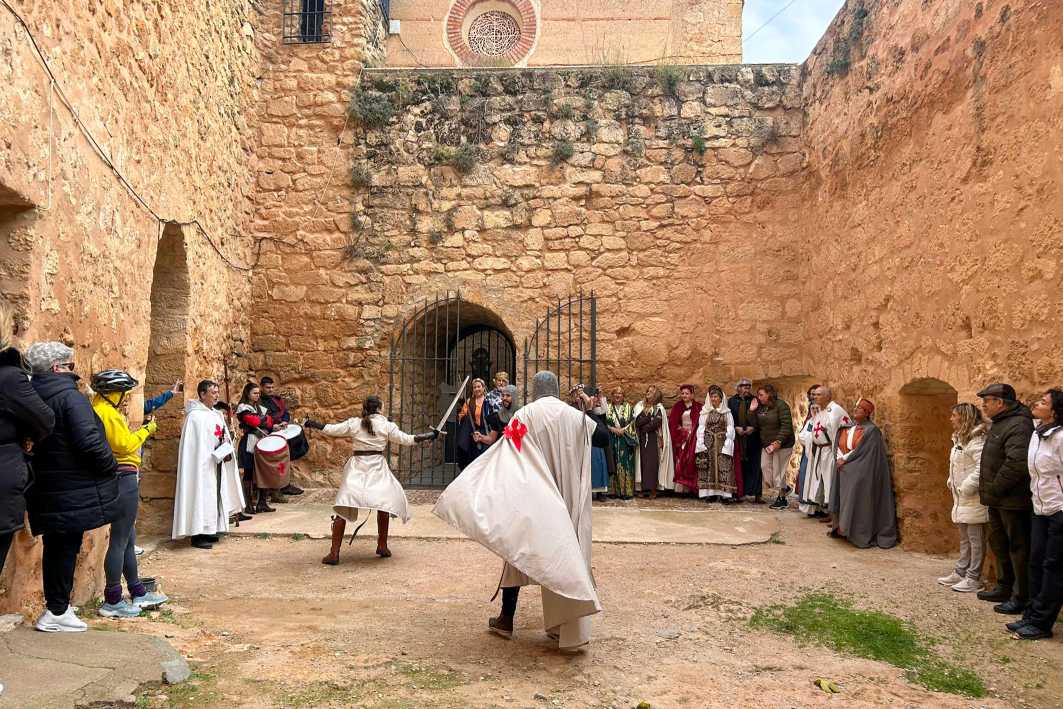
[382,521]
[339,524]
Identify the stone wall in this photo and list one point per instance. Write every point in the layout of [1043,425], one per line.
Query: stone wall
[567,33]
[164,89]
[669,193]
[931,228]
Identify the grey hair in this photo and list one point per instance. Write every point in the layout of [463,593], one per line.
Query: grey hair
[41,356]
[827,390]
[545,384]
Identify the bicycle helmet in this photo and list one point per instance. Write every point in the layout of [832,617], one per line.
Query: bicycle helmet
[112,381]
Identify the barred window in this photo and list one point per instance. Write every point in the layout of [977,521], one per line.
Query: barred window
[307,21]
[493,33]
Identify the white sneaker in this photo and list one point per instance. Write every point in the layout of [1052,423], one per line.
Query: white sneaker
[138,550]
[150,600]
[950,580]
[967,586]
[65,623]
[122,609]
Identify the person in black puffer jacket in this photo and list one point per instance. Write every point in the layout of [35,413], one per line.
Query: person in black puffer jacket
[76,484]
[23,417]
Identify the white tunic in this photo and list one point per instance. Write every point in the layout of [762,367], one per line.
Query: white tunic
[820,440]
[198,507]
[531,504]
[368,483]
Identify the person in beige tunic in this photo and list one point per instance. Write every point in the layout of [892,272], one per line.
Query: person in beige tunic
[368,483]
[528,499]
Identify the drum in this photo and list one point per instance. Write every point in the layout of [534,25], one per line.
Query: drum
[272,460]
[297,443]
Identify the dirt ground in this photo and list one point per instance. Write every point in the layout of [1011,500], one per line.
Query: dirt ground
[267,625]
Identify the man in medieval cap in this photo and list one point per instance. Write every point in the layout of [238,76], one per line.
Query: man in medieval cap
[528,499]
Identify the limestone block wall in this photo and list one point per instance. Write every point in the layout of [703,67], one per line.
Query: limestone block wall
[670,194]
[932,237]
[163,88]
[567,33]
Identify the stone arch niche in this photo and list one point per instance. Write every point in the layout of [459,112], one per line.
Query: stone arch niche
[440,343]
[920,438]
[167,355]
[16,216]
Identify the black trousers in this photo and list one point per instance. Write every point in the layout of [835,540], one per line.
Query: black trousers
[509,600]
[57,566]
[1009,538]
[5,545]
[1046,571]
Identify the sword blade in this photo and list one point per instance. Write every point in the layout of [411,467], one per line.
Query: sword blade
[453,403]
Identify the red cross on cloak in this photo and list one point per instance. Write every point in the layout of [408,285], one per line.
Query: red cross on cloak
[217,432]
[280,468]
[818,429]
[514,432]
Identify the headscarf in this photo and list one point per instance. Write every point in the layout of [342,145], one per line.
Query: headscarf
[545,384]
[42,356]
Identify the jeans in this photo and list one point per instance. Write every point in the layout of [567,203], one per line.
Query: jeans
[1046,571]
[121,559]
[5,545]
[1009,538]
[57,566]
[972,550]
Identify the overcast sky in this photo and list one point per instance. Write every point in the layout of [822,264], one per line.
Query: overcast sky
[791,36]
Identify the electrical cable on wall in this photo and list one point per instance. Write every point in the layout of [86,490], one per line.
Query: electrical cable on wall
[56,89]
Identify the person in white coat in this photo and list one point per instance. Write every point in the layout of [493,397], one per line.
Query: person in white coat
[208,483]
[368,483]
[968,513]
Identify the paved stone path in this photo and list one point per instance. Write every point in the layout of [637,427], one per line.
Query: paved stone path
[612,525]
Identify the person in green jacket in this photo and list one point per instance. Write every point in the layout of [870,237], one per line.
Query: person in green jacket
[112,388]
[776,426]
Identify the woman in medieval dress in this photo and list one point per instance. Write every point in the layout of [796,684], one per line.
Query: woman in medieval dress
[620,417]
[714,454]
[368,483]
[654,467]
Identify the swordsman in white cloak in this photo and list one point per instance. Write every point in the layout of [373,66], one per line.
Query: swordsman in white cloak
[208,483]
[368,483]
[820,439]
[528,499]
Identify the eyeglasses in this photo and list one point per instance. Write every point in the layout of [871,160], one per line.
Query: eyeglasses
[68,366]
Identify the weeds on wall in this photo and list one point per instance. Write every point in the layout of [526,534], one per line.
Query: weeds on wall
[841,52]
[668,77]
[562,152]
[360,175]
[371,109]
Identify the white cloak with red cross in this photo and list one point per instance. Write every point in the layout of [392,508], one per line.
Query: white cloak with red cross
[820,441]
[203,504]
[528,499]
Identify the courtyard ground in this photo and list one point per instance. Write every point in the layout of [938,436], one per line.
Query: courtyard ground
[265,624]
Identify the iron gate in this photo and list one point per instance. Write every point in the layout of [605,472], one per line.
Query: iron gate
[565,342]
[443,341]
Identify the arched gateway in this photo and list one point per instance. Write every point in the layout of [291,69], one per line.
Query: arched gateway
[448,338]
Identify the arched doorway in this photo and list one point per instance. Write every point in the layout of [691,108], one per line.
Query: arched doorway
[167,353]
[921,437]
[443,341]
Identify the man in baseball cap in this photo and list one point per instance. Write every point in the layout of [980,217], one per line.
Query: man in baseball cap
[1004,488]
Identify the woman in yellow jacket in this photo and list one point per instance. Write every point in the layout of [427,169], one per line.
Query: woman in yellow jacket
[112,387]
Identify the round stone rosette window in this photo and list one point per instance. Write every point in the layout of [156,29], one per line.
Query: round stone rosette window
[491,32]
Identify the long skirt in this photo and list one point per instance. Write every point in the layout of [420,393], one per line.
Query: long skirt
[715,474]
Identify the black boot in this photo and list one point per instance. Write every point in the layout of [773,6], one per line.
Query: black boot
[263,502]
[997,594]
[200,541]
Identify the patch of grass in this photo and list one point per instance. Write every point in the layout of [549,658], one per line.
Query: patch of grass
[465,159]
[826,620]
[428,678]
[371,108]
[698,143]
[299,536]
[320,693]
[618,78]
[566,111]
[776,538]
[200,689]
[563,150]
[263,535]
[669,76]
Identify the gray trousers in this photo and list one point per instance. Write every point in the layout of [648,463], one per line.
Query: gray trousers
[972,550]
[121,558]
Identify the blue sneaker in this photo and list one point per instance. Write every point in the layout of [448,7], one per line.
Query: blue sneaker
[152,599]
[122,609]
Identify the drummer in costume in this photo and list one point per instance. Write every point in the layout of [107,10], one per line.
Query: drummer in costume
[368,483]
[255,422]
[277,407]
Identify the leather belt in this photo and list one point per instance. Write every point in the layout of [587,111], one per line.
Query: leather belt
[368,453]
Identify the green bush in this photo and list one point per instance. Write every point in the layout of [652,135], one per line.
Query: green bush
[668,77]
[360,175]
[563,150]
[465,158]
[371,108]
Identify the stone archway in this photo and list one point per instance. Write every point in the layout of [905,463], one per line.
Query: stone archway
[167,355]
[920,437]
